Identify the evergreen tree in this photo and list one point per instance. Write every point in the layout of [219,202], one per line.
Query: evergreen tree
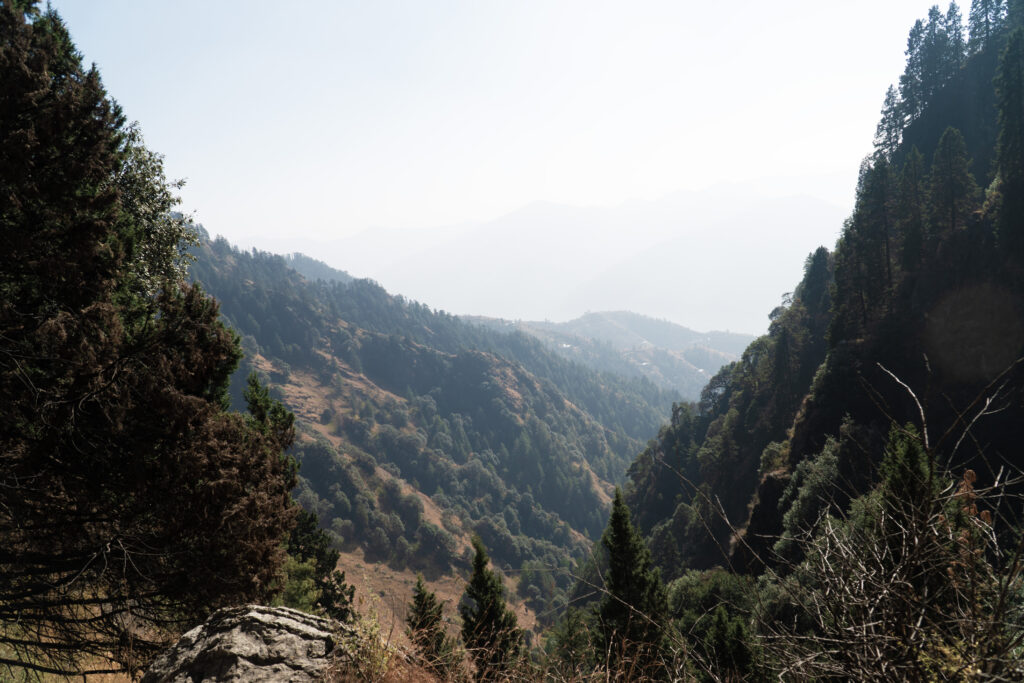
[571,645]
[427,632]
[727,645]
[907,472]
[132,503]
[309,543]
[851,310]
[956,44]
[873,221]
[911,88]
[1014,15]
[934,55]
[985,21]
[953,194]
[632,611]
[911,210]
[490,630]
[890,127]
[1010,148]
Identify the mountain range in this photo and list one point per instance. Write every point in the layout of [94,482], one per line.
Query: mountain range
[674,357]
[549,261]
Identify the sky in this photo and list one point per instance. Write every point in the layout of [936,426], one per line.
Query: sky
[306,123]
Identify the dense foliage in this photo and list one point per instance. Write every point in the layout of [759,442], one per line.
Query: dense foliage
[508,440]
[619,342]
[131,502]
[856,455]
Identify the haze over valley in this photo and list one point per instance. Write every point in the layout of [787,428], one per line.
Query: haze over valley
[690,258]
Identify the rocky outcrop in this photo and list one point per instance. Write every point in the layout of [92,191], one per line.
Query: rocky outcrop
[251,644]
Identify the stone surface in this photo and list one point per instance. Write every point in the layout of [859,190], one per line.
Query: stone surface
[252,643]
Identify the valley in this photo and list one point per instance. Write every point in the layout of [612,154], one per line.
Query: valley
[558,478]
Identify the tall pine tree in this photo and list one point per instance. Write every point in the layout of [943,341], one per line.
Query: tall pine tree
[911,211]
[490,630]
[425,620]
[132,504]
[1010,149]
[890,127]
[632,611]
[953,193]
[985,22]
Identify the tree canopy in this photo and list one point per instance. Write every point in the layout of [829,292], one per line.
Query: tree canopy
[131,503]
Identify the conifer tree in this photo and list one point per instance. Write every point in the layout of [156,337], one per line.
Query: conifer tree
[727,645]
[911,88]
[490,630]
[1010,149]
[132,504]
[890,127]
[984,22]
[427,632]
[571,645]
[934,54]
[873,219]
[911,210]
[1014,15]
[632,611]
[956,44]
[953,194]
[309,543]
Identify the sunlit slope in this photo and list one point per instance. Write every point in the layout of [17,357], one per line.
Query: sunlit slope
[419,429]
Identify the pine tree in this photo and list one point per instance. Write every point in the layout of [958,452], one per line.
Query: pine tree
[934,55]
[935,52]
[890,127]
[1010,149]
[953,194]
[308,542]
[956,45]
[1014,15]
[727,645]
[632,611]
[571,645]
[911,88]
[490,630]
[911,211]
[427,632]
[985,21]
[874,222]
[132,503]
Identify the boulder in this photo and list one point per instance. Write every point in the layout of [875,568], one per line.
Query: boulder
[252,643]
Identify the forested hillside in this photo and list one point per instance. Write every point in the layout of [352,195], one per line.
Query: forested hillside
[132,501]
[420,429]
[885,402]
[924,284]
[674,357]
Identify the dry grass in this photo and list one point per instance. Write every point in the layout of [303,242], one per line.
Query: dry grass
[390,590]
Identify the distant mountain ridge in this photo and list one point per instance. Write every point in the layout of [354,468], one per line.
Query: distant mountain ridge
[313,269]
[551,261]
[672,356]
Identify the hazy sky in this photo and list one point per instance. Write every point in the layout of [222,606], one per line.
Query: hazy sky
[315,120]
[332,116]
